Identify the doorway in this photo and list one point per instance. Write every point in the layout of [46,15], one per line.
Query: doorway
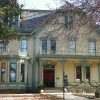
[48,75]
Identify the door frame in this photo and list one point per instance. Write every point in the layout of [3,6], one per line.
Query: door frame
[49,67]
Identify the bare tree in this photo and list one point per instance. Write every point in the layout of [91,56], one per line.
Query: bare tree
[85,19]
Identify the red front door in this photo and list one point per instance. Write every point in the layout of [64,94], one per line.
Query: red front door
[48,77]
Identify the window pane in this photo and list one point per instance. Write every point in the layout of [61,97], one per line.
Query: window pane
[66,21]
[3,72]
[2,47]
[44,46]
[12,72]
[22,73]
[92,47]
[23,45]
[78,72]
[72,46]
[53,46]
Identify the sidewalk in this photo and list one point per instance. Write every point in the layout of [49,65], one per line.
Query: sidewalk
[70,96]
[43,96]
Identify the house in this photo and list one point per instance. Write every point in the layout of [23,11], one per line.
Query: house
[61,50]
[47,51]
[17,71]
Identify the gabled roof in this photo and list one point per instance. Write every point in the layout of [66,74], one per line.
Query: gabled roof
[31,19]
[27,26]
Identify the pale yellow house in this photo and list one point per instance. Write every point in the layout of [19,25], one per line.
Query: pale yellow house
[60,51]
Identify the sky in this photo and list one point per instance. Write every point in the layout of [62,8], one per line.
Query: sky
[40,4]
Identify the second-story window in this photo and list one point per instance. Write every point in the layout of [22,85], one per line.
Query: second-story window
[2,47]
[72,46]
[23,45]
[92,47]
[44,46]
[53,46]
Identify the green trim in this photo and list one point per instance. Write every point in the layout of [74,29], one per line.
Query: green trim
[63,71]
[80,57]
[99,72]
[33,63]
[36,10]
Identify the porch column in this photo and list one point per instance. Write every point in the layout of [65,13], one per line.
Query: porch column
[83,72]
[40,72]
[63,72]
[85,63]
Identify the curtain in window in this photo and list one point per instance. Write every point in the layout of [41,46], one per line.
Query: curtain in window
[12,73]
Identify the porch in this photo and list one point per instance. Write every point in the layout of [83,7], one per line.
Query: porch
[68,64]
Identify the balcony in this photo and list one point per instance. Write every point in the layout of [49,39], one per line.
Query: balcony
[68,54]
[13,53]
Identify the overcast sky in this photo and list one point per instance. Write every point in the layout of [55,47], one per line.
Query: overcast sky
[39,4]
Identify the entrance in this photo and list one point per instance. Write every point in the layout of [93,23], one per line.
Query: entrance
[48,76]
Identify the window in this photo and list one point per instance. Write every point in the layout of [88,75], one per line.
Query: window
[68,21]
[44,46]
[23,46]
[72,46]
[3,72]
[2,47]
[92,47]
[88,73]
[22,72]
[53,46]
[78,73]
[12,72]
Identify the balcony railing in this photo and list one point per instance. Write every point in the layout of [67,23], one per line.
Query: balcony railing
[69,53]
[11,53]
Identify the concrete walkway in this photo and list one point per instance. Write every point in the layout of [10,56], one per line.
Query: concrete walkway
[43,96]
[70,96]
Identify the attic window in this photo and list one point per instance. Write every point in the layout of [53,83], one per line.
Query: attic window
[68,21]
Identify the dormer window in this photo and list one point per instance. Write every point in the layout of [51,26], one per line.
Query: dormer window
[68,21]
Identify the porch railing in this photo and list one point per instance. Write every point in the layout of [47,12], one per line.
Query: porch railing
[49,52]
